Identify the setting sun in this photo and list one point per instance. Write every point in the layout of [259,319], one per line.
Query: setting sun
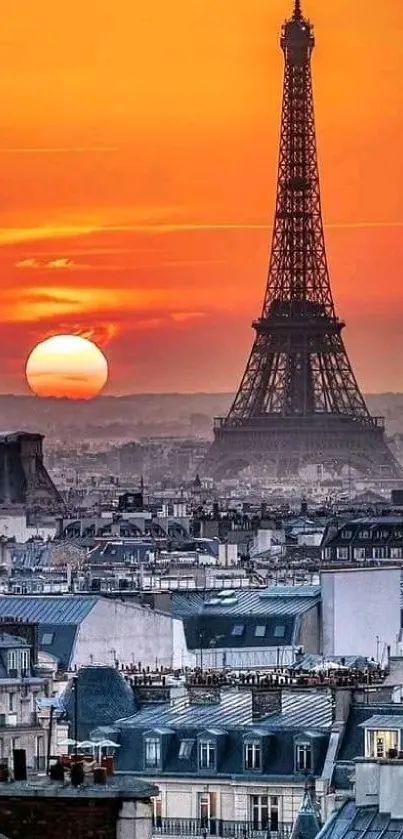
[67,366]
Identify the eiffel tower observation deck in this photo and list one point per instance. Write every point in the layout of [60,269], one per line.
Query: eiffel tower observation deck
[298,402]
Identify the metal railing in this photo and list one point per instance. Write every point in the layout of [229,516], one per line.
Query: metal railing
[218,827]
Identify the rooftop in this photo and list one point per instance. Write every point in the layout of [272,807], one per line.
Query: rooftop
[383,722]
[351,822]
[117,786]
[67,609]
[274,600]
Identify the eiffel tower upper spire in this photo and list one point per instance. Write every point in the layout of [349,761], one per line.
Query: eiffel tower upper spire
[297,13]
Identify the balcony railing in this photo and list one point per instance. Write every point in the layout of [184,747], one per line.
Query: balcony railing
[219,827]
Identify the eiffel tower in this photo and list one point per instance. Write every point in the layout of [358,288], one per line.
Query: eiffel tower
[299,402]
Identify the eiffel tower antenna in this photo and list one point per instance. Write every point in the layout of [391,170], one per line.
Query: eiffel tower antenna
[297,14]
[298,402]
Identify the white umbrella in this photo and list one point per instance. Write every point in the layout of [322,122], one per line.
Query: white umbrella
[68,742]
[86,744]
[107,744]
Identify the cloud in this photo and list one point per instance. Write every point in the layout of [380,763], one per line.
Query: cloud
[59,150]
[182,317]
[32,262]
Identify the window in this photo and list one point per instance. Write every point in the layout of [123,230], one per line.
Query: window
[363,534]
[11,702]
[185,749]
[378,743]
[359,553]
[379,553]
[260,630]
[47,638]
[279,630]
[303,757]
[13,662]
[341,553]
[395,553]
[207,754]
[260,812]
[346,534]
[264,812]
[238,629]
[157,812]
[152,752]
[25,661]
[252,755]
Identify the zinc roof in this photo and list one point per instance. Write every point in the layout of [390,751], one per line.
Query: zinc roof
[383,721]
[299,711]
[235,708]
[43,609]
[274,600]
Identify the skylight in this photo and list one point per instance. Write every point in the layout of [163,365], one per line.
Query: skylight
[238,629]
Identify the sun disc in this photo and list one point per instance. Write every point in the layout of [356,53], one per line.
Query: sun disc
[66,366]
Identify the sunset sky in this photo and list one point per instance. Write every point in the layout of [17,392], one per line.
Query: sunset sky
[138,154]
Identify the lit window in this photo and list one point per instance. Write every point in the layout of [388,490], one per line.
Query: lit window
[379,743]
[152,752]
[346,534]
[238,629]
[279,630]
[260,630]
[185,749]
[341,553]
[252,755]
[207,754]
[303,757]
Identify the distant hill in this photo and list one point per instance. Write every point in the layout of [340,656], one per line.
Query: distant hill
[142,415]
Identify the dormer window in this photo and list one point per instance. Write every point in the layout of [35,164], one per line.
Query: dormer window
[185,749]
[253,755]
[303,757]
[18,663]
[207,754]
[152,753]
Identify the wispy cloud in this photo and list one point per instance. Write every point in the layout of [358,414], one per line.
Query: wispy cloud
[59,150]
[16,235]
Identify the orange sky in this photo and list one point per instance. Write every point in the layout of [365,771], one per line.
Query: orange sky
[138,149]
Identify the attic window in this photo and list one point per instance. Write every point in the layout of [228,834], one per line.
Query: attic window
[152,753]
[279,630]
[303,757]
[47,638]
[238,629]
[185,749]
[260,630]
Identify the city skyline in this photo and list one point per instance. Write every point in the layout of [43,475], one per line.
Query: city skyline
[138,198]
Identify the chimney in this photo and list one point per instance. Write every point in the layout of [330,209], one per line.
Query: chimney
[379,783]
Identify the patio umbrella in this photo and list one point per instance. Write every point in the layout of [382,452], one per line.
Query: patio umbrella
[86,744]
[68,742]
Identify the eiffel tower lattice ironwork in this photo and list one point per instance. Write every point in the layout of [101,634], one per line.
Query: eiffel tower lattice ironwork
[299,401]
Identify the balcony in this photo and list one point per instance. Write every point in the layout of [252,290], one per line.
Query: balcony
[218,827]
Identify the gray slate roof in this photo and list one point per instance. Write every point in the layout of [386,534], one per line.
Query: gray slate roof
[300,711]
[275,600]
[67,609]
[384,722]
[306,825]
[352,822]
